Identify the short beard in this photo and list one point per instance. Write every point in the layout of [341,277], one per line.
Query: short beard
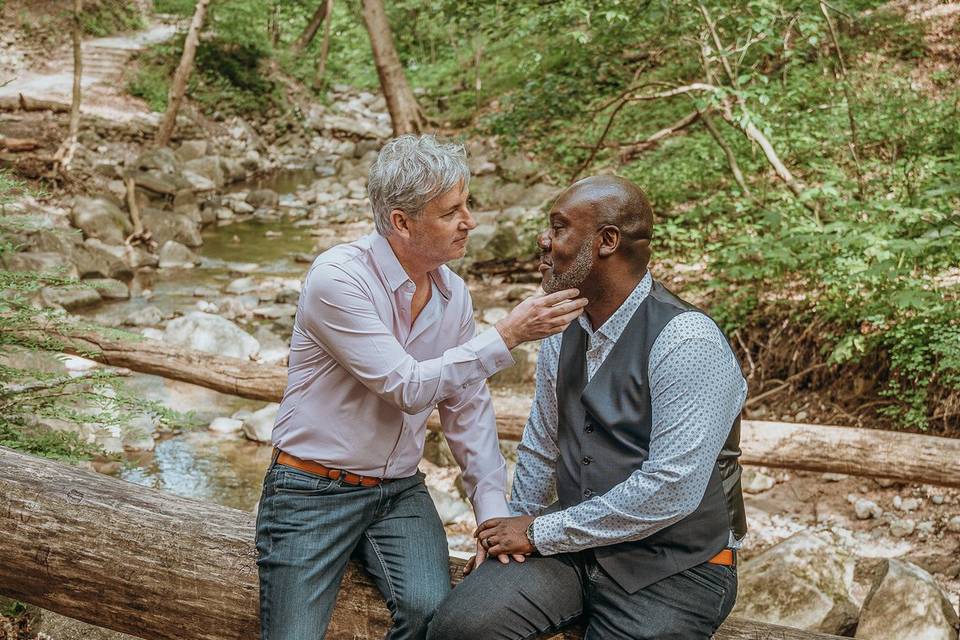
[576,273]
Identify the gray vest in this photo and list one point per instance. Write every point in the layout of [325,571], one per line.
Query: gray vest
[604,436]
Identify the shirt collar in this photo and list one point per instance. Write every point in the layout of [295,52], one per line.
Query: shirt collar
[395,274]
[617,322]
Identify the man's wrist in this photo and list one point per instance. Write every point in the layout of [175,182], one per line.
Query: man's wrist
[506,335]
[530,534]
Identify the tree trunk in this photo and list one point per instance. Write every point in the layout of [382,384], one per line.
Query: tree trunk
[312,27]
[324,48]
[178,86]
[404,111]
[161,567]
[64,154]
[904,457]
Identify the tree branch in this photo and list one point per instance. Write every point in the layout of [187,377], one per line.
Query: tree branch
[727,151]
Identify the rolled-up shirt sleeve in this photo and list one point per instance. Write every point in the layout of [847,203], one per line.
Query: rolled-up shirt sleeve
[470,427]
[343,320]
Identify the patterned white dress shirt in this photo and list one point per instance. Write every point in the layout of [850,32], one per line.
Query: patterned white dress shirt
[696,392]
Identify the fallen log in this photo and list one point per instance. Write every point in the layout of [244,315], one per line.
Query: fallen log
[162,567]
[23,103]
[903,457]
[17,145]
[224,374]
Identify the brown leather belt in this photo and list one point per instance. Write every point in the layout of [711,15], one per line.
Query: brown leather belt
[727,558]
[320,470]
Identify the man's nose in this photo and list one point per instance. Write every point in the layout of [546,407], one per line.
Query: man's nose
[543,240]
[469,222]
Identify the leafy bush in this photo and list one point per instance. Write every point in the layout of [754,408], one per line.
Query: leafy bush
[106,17]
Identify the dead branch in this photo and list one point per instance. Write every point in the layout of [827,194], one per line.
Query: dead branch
[727,151]
[854,138]
[786,383]
[631,151]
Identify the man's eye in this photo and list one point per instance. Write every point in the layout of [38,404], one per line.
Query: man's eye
[470,201]
[448,214]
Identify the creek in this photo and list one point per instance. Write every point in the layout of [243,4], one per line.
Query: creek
[196,463]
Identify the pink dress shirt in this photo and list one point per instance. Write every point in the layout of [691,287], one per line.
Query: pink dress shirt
[362,382]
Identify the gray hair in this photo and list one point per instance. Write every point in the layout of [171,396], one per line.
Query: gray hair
[409,172]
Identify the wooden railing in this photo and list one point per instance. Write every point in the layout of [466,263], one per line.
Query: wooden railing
[161,567]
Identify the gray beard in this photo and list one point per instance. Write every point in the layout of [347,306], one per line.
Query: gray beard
[576,274]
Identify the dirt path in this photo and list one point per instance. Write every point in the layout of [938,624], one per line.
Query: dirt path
[104,63]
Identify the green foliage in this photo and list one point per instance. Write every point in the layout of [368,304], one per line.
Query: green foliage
[227,76]
[175,7]
[151,78]
[106,17]
[42,412]
[867,249]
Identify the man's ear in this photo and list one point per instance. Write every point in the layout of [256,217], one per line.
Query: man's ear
[609,241]
[399,222]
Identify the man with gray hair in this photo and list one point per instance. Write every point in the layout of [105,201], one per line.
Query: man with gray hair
[384,333]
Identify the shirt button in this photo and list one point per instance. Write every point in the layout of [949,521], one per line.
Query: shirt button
[587,460]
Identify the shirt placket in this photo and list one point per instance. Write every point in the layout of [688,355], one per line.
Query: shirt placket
[404,300]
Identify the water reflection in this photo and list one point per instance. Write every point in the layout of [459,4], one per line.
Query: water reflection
[203,466]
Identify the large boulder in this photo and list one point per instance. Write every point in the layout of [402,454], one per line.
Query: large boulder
[157,182]
[97,259]
[802,582]
[491,192]
[518,167]
[208,167]
[110,289]
[191,150]
[162,159]
[263,198]
[258,426]
[212,334]
[100,218]
[174,255]
[169,225]
[70,298]
[43,262]
[906,603]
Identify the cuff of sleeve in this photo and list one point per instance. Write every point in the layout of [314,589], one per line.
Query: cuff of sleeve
[492,351]
[492,504]
[543,527]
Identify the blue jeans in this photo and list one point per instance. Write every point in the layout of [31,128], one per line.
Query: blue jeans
[522,600]
[309,527]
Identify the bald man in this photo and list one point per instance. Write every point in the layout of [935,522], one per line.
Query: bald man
[626,498]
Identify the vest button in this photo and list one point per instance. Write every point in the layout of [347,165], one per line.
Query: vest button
[587,460]
[587,493]
[588,428]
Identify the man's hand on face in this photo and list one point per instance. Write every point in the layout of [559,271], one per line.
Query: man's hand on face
[540,316]
[499,536]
